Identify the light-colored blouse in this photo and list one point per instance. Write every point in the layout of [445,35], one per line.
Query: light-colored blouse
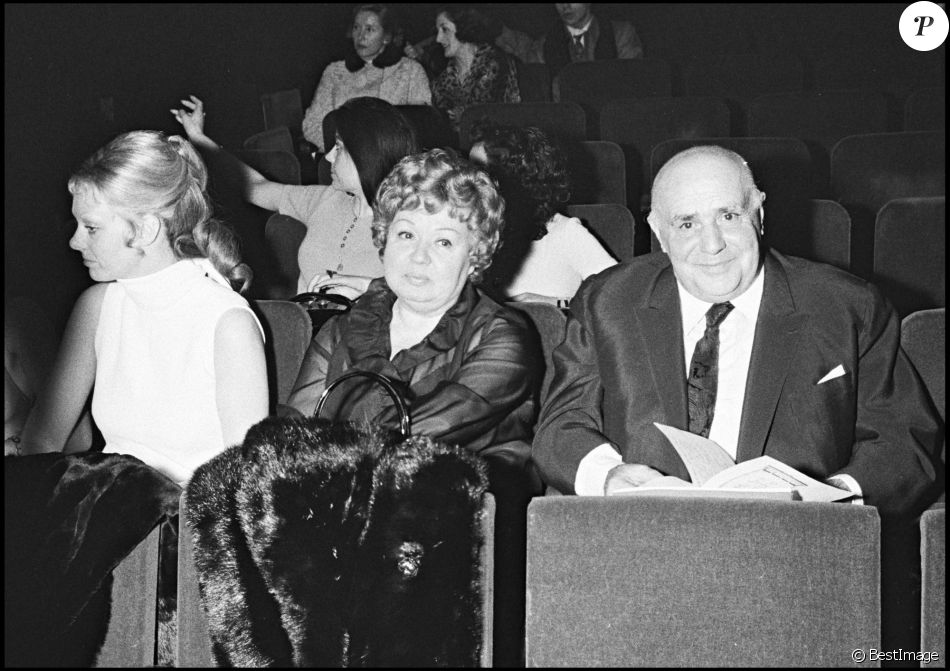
[339,232]
[404,83]
[557,263]
[155,395]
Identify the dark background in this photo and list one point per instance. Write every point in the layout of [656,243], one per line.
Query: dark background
[77,75]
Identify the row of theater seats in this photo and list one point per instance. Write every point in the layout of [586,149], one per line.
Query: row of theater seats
[909,257]
[827,167]
[719,582]
[740,76]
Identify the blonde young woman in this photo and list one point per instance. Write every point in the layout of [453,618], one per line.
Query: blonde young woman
[171,353]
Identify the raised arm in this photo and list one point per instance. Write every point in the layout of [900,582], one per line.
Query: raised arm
[257,189]
[60,405]
[240,374]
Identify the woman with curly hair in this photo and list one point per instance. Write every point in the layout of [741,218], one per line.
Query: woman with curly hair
[468,367]
[477,71]
[545,255]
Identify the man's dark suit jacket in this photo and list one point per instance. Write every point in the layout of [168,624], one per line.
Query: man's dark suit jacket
[621,368]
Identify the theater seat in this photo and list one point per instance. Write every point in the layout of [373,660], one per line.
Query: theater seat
[598,172]
[910,256]
[283,108]
[819,118]
[276,165]
[741,77]
[287,333]
[639,124]
[613,225]
[924,341]
[272,139]
[667,581]
[432,128]
[926,109]
[823,236]
[564,120]
[933,570]
[591,84]
[534,82]
[282,238]
[869,170]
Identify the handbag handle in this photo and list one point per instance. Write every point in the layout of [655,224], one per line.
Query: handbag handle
[308,298]
[404,421]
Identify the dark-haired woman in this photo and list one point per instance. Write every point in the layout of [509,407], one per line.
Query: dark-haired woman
[373,66]
[477,71]
[545,255]
[372,136]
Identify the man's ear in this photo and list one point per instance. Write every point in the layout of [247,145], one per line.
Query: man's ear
[655,225]
[761,213]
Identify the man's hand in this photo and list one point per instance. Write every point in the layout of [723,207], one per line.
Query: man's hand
[625,476]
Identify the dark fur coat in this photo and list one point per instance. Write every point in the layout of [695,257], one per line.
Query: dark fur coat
[68,521]
[320,544]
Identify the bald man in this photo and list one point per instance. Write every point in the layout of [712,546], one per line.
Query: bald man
[809,366]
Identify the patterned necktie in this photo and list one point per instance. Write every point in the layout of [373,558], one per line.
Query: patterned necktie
[704,372]
[577,45]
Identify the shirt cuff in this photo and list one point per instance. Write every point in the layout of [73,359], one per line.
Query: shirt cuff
[592,471]
[852,486]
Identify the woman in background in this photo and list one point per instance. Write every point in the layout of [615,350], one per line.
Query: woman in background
[545,255]
[374,66]
[477,71]
[337,251]
[172,354]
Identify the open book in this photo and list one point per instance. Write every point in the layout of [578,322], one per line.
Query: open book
[714,473]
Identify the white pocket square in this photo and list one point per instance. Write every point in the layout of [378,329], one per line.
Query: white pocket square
[837,371]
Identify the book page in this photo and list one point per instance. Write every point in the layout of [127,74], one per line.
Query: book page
[767,473]
[702,457]
[692,491]
[670,485]
[661,482]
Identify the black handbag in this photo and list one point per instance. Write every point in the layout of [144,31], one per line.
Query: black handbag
[321,306]
[405,423]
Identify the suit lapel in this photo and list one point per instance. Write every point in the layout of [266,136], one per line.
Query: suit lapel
[775,346]
[663,340]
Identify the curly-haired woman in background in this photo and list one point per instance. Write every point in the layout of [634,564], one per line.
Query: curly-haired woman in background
[545,255]
[477,71]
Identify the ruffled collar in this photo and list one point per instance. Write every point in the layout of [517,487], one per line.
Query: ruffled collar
[369,318]
[164,288]
[388,56]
